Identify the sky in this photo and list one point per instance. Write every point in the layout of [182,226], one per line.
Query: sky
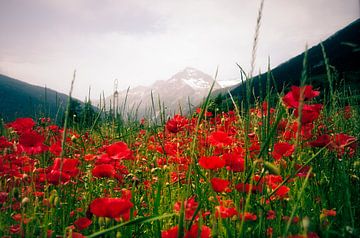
[138,42]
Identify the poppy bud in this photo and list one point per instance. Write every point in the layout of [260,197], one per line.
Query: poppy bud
[272,168]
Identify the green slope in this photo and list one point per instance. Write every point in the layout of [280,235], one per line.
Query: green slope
[20,99]
[343,52]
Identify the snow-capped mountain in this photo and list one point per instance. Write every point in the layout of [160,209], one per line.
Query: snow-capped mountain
[180,92]
[229,83]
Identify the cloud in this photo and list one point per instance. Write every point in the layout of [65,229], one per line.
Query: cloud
[139,42]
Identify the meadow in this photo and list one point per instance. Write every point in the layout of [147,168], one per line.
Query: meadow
[287,166]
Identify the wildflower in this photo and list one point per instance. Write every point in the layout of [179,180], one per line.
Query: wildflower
[31,142]
[63,170]
[343,143]
[248,216]
[104,170]
[225,212]
[118,151]
[22,125]
[246,188]
[321,141]
[170,233]
[196,231]
[190,206]
[292,98]
[110,207]
[220,185]
[235,161]
[282,149]
[329,213]
[176,124]
[82,223]
[211,162]
[4,143]
[271,215]
[220,139]
[309,113]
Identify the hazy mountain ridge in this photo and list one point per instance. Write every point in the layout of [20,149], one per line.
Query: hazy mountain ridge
[20,99]
[187,86]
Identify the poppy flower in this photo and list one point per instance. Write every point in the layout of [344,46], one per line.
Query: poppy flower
[118,151]
[248,216]
[63,170]
[176,124]
[195,232]
[282,191]
[31,143]
[309,113]
[82,223]
[270,215]
[170,233]
[211,162]
[69,166]
[21,125]
[225,212]
[292,98]
[343,143]
[282,149]
[234,161]
[246,188]
[110,207]
[4,143]
[103,171]
[329,213]
[321,141]
[55,148]
[220,139]
[347,112]
[220,185]
[190,206]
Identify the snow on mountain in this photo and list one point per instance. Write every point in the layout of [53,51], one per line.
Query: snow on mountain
[187,86]
[229,83]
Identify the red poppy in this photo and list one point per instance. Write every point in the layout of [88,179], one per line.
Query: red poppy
[110,207]
[347,112]
[31,142]
[282,149]
[225,212]
[63,170]
[329,213]
[248,216]
[21,125]
[118,151]
[176,124]
[104,170]
[309,113]
[292,98]
[282,191]
[220,139]
[170,233]
[82,223]
[271,215]
[246,188]
[4,143]
[343,143]
[190,206]
[55,148]
[220,185]
[197,232]
[69,166]
[321,141]
[235,161]
[211,162]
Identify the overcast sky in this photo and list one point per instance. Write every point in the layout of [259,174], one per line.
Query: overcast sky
[141,41]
